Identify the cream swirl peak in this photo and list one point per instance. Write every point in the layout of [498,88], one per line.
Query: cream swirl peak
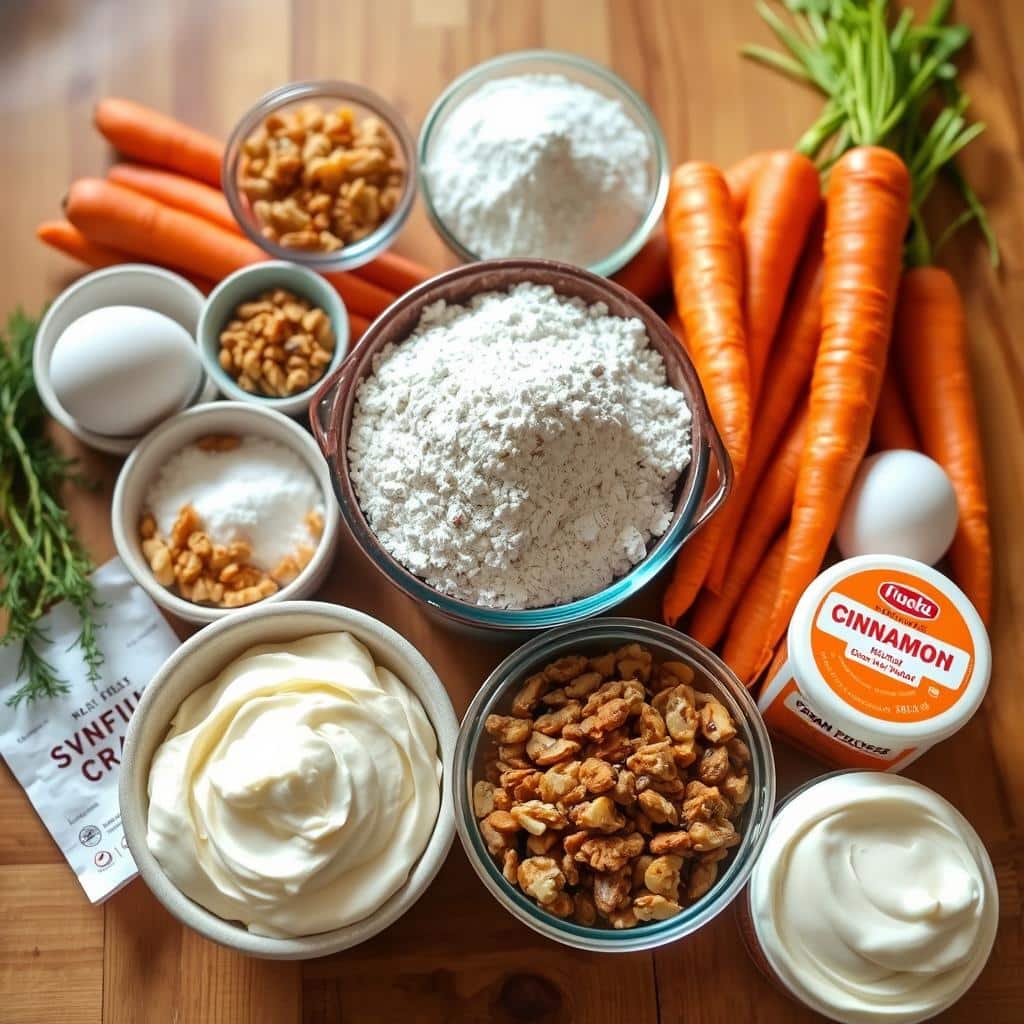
[295,792]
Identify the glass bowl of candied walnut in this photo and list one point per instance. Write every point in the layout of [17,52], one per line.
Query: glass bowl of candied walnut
[321,172]
[270,332]
[613,784]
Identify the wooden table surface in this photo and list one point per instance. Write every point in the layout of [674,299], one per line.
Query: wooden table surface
[457,956]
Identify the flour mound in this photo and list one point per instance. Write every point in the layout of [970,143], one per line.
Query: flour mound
[519,451]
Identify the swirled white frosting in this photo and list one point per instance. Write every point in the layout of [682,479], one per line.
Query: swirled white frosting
[295,792]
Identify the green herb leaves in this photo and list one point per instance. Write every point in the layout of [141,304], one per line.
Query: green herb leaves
[41,561]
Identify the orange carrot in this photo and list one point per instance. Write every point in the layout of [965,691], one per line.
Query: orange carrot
[892,427]
[707,279]
[356,327]
[781,204]
[769,510]
[741,176]
[932,354]
[647,274]
[394,273]
[154,138]
[789,369]
[62,235]
[742,651]
[115,216]
[674,325]
[59,234]
[178,191]
[866,218]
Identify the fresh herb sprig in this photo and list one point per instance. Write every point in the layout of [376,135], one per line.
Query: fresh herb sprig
[41,560]
[886,82]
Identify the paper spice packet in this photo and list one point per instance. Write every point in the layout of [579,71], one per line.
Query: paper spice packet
[65,751]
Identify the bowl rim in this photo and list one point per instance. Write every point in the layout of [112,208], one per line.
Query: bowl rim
[759,810]
[42,351]
[298,440]
[634,104]
[349,256]
[134,811]
[208,334]
[331,424]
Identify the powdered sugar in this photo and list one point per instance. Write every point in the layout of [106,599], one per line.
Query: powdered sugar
[259,492]
[537,165]
[519,451]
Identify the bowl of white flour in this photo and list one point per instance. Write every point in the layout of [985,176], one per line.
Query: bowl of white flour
[543,154]
[519,443]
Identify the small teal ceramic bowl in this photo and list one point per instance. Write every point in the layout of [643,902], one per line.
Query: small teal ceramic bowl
[243,286]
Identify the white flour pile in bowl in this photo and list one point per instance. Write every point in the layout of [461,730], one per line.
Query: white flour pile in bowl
[520,451]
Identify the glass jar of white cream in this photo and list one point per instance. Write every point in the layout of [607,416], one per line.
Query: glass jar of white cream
[873,900]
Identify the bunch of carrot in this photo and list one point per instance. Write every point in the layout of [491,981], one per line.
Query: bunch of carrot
[787,312]
[167,208]
[786,302]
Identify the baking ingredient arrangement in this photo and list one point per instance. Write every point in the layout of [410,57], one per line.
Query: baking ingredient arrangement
[538,165]
[520,450]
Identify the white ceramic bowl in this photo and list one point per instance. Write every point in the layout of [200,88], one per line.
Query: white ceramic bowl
[128,284]
[245,285]
[196,662]
[143,465]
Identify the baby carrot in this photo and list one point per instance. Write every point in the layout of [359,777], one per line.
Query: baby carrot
[707,279]
[769,510]
[154,138]
[866,218]
[789,369]
[781,204]
[932,353]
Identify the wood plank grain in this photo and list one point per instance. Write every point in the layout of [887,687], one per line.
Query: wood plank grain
[51,947]
[457,956]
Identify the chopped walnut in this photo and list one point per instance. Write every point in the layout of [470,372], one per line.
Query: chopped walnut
[541,878]
[506,729]
[655,908]
[613,788]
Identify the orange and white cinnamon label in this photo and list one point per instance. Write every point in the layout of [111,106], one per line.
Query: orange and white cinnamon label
[892,646]
[884,657]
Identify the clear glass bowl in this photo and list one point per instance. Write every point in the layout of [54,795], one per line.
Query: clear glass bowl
[325,93]
[331,416]
[713,676]
[576,69]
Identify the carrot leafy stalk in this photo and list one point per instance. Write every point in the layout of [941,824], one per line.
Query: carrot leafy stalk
[931,352]
[867,211]
[707,280]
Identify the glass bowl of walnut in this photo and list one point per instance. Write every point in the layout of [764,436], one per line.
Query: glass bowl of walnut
[322,173]
[613,785]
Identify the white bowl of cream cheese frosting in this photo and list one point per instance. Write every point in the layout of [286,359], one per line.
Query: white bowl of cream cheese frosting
[873,900]
[281,783]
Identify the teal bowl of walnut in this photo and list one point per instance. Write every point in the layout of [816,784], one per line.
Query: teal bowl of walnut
[247,285]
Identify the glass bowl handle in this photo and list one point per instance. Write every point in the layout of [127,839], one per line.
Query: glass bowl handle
[722,465]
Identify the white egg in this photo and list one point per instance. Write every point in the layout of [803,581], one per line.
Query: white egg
[901,503]
[120,370]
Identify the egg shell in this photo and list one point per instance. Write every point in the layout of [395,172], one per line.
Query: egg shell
[120,370]
[901,503]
